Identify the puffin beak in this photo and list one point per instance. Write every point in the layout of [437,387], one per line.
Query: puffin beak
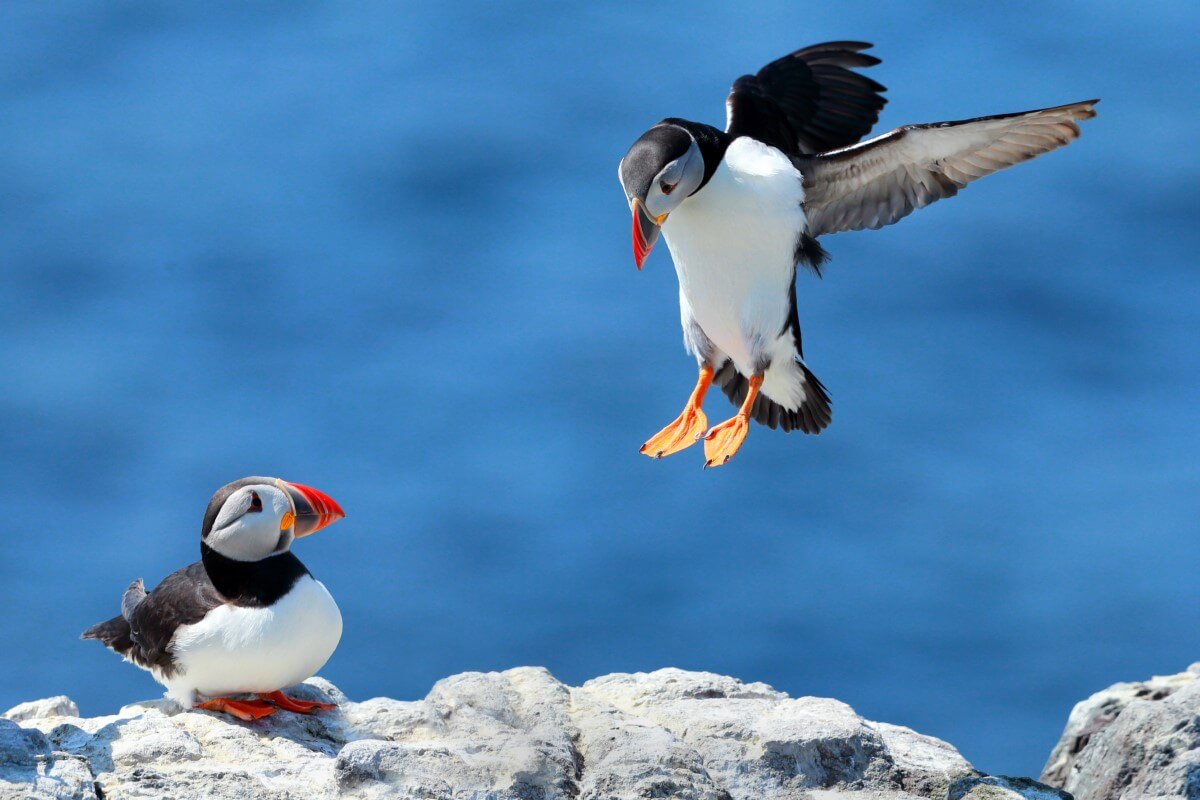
[645,231]
[314,509]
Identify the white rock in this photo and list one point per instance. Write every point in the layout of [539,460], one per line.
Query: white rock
[60,706]
[623,755]
[515,735]
[30,769]
[147,740]
[757,742]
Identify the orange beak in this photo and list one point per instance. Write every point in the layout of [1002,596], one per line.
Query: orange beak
[645,232]
[314,508]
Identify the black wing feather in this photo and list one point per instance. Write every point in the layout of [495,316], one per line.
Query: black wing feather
[809,101]
[183,598]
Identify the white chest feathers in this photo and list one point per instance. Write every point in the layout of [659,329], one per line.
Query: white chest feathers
[236,649]
[734,245]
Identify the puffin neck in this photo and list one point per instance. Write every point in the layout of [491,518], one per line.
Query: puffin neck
[252,583]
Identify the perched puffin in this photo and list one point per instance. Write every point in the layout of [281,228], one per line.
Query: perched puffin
[248,617]
[742,208]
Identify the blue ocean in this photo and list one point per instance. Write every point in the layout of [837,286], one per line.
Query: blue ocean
[380,248]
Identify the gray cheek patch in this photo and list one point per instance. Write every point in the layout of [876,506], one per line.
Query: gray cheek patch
[672,172]
[692,172]
[686,173]
[233,510]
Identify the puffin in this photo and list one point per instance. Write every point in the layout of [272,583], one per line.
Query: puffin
[248,618]
[742,209]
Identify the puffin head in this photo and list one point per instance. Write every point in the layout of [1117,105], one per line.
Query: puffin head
[255,518]
[662,168]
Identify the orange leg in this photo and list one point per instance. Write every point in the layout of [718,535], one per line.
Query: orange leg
[723,441]
[688,427]
[248,710]
[294,704]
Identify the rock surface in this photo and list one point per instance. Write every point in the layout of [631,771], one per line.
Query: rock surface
[1133,741]
[516,735]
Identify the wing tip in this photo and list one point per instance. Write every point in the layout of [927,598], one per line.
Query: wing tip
[839,44]
[1085,105]
[847,53]
[1081,109]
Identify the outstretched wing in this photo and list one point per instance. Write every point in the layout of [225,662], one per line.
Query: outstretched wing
[885,179]
[809,101]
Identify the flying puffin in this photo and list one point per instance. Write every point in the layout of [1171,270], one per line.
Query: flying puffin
[742,208]
[248,617]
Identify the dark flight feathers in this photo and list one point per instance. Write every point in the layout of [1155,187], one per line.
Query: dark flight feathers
[809,101]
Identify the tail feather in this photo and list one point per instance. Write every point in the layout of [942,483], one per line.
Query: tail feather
[115,634]
[813,415]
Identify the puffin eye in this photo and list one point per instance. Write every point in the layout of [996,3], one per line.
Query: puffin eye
[255,503]
[665,187]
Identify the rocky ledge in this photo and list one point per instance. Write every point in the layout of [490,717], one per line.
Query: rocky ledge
[1133,741]
[516,735]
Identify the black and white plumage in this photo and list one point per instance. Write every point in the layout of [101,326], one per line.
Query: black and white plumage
[742,208]
[248,617]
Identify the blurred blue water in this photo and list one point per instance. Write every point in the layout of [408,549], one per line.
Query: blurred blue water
[381,249]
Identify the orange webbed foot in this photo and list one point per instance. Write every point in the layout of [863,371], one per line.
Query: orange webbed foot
[687,429]
[248,710]
[723,441]
[295,704]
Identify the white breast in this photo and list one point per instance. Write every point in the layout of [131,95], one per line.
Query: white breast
[733,243]
[236,649]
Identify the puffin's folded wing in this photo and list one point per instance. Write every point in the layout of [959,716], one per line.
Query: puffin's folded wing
[183,598]
[808,101]
[884,179]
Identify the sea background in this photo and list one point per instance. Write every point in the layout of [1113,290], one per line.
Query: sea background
[380,248]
